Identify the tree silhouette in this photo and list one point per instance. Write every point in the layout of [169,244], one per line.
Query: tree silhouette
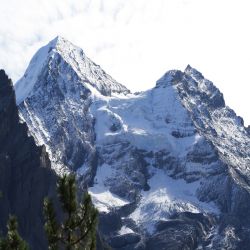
[78,229]
[13,240]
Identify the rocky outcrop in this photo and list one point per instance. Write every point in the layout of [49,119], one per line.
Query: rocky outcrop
[25,174]
[182,231]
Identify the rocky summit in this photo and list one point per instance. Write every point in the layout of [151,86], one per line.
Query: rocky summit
[167,168]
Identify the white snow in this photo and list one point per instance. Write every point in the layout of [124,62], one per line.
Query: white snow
[125,230]
[167,196]
[24,86]
[102,198]
[76,58]
[143,120]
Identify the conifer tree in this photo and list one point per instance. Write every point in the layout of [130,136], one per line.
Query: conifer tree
[13,240]
[51,226]
[78,229]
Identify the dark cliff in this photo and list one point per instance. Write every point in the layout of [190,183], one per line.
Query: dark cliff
[25,174]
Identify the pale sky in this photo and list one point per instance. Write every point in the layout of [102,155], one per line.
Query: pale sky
[137,41]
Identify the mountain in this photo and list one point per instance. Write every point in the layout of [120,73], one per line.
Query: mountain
[26,176]
[62,119]
[168,168]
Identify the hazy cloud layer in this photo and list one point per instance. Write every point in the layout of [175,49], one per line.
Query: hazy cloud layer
[136,41]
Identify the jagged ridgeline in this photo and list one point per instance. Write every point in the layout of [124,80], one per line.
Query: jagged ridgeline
[167,168]
[25,174]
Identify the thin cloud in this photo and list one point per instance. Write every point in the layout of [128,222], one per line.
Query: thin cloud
[136,41]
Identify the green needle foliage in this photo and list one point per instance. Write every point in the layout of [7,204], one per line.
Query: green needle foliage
[13,241]
[51,226]
[78,230]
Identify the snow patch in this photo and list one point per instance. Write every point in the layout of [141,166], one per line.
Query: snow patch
[102,198]
[125,230]
[166,197]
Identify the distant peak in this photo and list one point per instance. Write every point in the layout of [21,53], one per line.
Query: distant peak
[173,76]
[60,51]
[194,73]
[57,41]
[62,45]
[188,68]
[59,38]
[169,78]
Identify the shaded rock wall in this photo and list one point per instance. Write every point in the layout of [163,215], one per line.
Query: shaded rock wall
[25,174]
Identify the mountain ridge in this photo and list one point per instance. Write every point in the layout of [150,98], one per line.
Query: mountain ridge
[165,154]
[62,49]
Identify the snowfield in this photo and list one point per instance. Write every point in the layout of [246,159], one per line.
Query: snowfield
[103,199]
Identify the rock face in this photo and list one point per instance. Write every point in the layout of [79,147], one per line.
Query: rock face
[25,174]
[72,127]
[183,231]
[167,168]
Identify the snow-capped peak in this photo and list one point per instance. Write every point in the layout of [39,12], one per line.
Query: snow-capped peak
[59,41]
[61,51]
[24,86]
[193,72]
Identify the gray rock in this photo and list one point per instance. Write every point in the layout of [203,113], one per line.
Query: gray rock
[123,241]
